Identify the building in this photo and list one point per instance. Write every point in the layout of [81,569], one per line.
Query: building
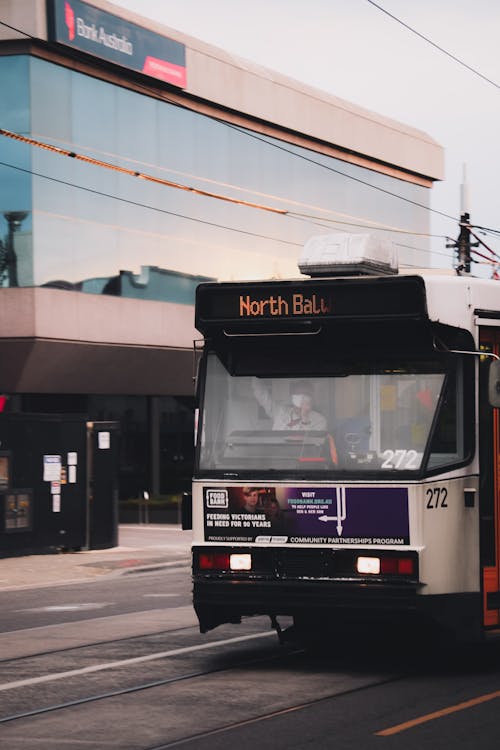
[136,161]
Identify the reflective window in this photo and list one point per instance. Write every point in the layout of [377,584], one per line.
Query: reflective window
[381,419]
[92,223]
[16,267]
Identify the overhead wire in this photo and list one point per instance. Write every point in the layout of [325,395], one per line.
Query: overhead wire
[144,205]
[436,46]
[486,260]
[291,214]
[309,218]
[484,78]
[483,244]
[368,224]
[249,134]
[449,256]
[360,222]
[132,173]
[165,211]
[343,174]
[488,230]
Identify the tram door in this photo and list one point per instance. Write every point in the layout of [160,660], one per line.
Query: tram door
[489,485]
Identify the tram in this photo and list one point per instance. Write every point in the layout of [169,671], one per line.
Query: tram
[347,466]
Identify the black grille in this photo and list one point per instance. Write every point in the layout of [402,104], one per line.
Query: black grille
[314,563]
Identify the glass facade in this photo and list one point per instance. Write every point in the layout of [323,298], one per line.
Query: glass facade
[16,259]
[83,222]
[74,225]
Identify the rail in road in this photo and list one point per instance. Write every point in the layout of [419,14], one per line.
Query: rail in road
[220,667]
[164,687]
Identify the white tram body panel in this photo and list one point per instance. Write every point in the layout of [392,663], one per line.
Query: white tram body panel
[398,530]
[449,553]
[452,299]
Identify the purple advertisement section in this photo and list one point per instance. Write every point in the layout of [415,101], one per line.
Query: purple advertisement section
[306,515]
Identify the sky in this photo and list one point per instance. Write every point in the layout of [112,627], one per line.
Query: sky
[355,51]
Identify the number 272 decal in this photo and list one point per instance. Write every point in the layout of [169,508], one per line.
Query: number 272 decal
[436,498]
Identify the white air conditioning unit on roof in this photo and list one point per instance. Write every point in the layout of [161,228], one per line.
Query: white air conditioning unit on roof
[346,254]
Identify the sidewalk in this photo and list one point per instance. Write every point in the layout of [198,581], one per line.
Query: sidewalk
[141,547]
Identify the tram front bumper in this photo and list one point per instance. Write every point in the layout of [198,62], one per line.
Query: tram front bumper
[220,601]
[296,581]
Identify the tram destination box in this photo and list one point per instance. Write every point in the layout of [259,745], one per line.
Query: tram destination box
[318,299]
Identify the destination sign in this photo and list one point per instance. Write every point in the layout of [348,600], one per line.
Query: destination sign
[284,306]
[325,299]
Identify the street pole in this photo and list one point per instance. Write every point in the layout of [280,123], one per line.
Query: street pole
[14,220]
[464,244]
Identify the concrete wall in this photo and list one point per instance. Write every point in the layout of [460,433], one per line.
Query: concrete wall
[69,342]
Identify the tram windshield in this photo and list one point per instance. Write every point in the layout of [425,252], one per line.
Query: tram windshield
[403,417]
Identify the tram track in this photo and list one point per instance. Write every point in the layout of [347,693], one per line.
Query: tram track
[210,674]
[95,644]
[244,663]
[43,703]
[261,717]
[270,715]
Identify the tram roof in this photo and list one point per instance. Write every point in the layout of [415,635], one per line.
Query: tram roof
[461,301]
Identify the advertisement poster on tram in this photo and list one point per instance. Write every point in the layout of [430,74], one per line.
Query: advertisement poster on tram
[306,515]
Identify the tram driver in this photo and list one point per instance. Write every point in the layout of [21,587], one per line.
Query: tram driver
[296,413]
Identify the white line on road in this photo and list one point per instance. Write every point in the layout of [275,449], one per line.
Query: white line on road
[68,607]
[135,660]
[159,596]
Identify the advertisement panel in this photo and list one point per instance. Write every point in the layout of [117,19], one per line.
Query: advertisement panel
[82,26]
[306,515]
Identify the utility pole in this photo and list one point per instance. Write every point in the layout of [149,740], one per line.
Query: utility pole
[463,243]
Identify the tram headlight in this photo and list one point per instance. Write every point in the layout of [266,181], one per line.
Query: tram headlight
[368,565]
[240,561]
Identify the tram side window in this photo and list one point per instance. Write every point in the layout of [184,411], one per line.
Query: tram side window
[448,439]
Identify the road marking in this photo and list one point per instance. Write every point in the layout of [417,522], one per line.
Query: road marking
[159,596]
[68,607]
[438,714]
[135,660]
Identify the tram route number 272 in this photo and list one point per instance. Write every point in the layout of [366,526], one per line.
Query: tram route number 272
[436,498]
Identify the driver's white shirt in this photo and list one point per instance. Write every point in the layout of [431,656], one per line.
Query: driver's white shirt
[286,416]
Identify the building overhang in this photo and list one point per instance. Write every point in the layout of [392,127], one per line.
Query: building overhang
[55,341]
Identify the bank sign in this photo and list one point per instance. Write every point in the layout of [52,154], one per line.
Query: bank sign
[84,27]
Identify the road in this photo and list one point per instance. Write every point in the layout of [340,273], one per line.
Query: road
[119,663]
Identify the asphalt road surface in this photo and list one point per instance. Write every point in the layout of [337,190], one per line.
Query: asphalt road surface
[119,662]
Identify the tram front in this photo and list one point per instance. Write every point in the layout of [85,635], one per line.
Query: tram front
[335,434]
